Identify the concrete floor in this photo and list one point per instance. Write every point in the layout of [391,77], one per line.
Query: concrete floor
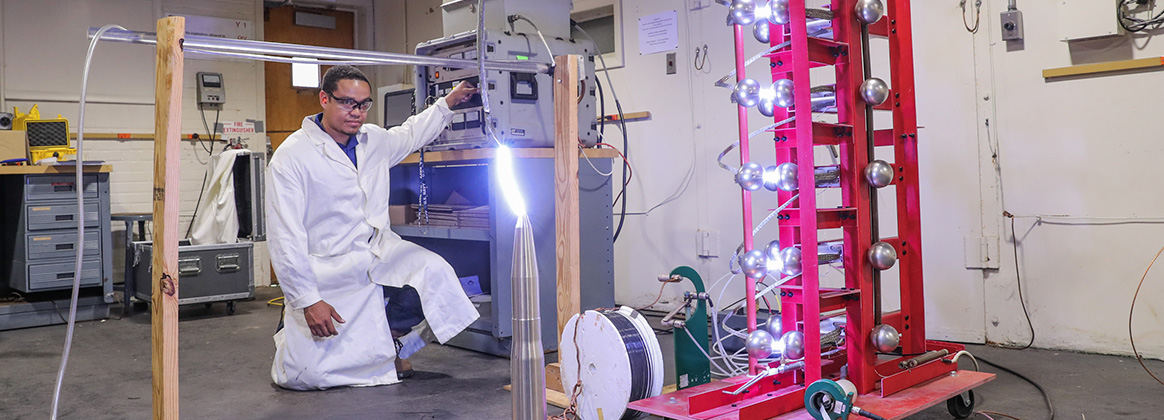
[225,373]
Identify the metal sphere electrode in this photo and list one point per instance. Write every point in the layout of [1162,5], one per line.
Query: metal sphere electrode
[742,12]
[882,256]
[759,344]
[774,326]
[870,11]
[783,177]
[874,91]
[762,32]
[793,343]
[780,14]
[773,250]
[754,264]
[790,258]
[747,93]
[783,90]
[885,338]
[750,176]
[879,173]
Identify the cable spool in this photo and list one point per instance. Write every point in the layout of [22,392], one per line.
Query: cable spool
[620,362]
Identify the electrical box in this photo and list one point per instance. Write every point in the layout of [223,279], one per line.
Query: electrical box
[1085,19]
[211,89]
[521,104]
[1012,25]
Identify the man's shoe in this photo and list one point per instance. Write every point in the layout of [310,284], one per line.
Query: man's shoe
[403,368]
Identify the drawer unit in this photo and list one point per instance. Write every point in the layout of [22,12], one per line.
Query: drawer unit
[59,187]
[59,275]
[61,216]
[40,246]
[38,234]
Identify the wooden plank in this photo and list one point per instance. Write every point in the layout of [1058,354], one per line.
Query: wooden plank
[629,116]
[51,169]
[566,222]
[555,398]
[167,126]
[554,377]
[487,154]
[1086,69]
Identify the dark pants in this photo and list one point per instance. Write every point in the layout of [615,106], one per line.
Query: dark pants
[403,309]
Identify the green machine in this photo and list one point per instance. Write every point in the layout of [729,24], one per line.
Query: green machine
[691,339]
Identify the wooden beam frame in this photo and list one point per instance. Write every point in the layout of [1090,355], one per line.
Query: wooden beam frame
[566,221]
[164,305]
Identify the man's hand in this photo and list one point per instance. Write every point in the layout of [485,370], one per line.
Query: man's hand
[461,94]
[319,316]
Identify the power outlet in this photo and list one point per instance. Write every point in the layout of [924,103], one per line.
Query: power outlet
[1012,25]
[671,63]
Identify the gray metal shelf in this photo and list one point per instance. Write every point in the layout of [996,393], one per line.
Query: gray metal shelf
[442,232]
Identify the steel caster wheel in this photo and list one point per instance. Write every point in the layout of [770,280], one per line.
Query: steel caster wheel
[961,406]
[230,311]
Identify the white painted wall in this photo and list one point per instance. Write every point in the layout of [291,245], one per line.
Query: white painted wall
[1077,147]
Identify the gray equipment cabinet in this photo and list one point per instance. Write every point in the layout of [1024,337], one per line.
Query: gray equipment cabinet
[38,224]
[488,253]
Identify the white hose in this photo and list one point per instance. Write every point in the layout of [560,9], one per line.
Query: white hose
[954,360]
[79,186]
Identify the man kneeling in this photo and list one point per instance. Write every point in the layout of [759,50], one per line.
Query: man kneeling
[331,247]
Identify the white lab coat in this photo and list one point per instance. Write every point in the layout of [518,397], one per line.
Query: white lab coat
[217,221]
[329,239]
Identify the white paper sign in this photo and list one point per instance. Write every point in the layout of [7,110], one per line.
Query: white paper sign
[658,32]
[218,27]
[237,127]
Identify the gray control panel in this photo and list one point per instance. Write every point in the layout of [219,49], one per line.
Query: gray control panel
[521,104]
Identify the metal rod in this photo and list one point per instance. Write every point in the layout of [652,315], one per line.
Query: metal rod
[866,65]
[746,196]
[237,46]
[923,359]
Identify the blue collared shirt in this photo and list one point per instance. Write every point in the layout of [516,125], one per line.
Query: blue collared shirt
[349,148]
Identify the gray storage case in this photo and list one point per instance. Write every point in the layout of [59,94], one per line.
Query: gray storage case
[206,273]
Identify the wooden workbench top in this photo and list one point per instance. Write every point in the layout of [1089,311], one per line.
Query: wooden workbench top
[51,169]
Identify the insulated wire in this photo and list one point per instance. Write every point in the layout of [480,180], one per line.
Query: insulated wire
[79,186]
[622,128]
[515,18]
[1019,280]
[1046,397]
[1132,311]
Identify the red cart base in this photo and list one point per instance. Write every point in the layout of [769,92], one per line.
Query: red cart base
[897,406]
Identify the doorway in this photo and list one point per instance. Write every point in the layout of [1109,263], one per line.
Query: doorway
[287,105]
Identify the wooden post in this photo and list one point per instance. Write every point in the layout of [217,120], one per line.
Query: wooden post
[167,136]
[566,188]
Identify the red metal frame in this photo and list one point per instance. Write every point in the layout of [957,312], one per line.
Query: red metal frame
[803,299]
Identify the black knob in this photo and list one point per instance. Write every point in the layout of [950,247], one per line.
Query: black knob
[1008,26]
